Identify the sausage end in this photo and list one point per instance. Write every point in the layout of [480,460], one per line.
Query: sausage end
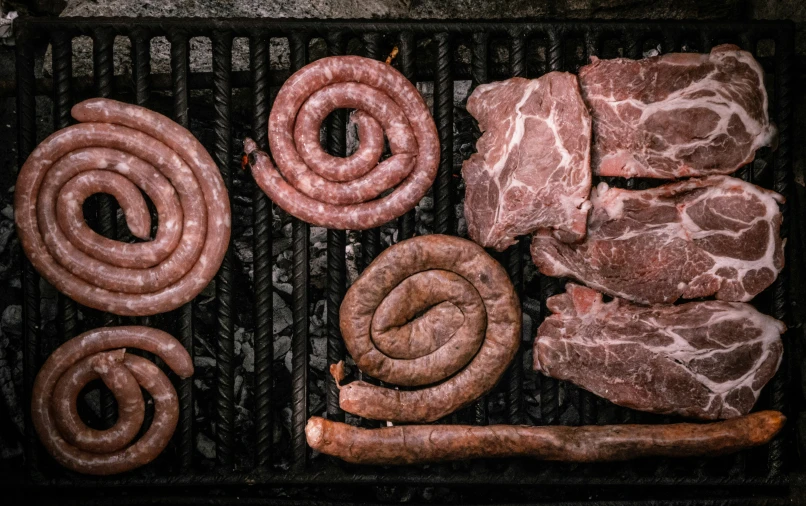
[315,432]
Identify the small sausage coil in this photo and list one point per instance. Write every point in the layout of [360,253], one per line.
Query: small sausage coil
[345,193]
[416,444]
[432,310]
[121,149]
[100,353]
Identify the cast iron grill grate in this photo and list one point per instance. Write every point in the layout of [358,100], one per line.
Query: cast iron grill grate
[444,59]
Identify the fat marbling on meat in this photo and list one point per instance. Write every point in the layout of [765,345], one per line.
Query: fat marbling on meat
[676,115]
[695,238]
[702,359]
[532,168]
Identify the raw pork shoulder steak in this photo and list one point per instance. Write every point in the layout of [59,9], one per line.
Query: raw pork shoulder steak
[702,359]
[714,235]
[676,115]
[532,169]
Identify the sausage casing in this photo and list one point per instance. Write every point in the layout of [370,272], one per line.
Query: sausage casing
[414,444]
[122,149]
[101,354]
[345,193]
[432,309]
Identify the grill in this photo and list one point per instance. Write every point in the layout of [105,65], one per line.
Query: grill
[442,57]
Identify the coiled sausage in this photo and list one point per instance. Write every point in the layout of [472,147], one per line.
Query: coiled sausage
[121,149]
[343,193]
[429,309]
[100,353]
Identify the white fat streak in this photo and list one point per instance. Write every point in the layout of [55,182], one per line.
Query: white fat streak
[680,348]
[517,126]
[721,104]
[742,266]
[515,137]
[612,201]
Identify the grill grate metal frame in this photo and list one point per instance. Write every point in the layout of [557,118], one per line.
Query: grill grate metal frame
[557,41]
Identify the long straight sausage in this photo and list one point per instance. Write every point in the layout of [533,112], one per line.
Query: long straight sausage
[101,354]
[414,444]
[121,149]
[345,193]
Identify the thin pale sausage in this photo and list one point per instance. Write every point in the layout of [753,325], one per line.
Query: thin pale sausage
[101,354]
[429,309]
[122,149]
[345,193]
[415,444]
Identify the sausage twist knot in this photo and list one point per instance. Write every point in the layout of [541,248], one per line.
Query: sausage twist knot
[101,354]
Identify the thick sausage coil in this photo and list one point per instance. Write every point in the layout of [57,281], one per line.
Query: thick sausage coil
[432,310]
[412,444]
[101,353]
[345,193]
[121,149]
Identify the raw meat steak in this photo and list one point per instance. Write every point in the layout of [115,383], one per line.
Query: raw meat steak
[532,169]
[678,114]
[702,359]
[695,238]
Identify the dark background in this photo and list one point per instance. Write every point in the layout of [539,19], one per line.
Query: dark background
[10,322]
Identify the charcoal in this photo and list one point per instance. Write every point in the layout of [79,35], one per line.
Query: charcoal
[318,356]
[205,446]
[283,316]
[281,346]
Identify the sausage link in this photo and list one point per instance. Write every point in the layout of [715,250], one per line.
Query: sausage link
[429,309]
[415,444]
[122,149]
[101,354]
[343,193]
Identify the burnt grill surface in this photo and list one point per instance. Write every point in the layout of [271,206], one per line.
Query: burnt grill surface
[446,59]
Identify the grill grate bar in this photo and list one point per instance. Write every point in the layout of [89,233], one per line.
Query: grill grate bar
[62,71]
[179,74]
[405,58]
[549,387]
[593,41]
[262,223]
[222,96]
[336,266]
[141,68]
[26,139]
[784,64]
[517,59]
[299,343]
[361,475]
[479,75]
[443,117]
[371,239]
[103,72]
[62,102]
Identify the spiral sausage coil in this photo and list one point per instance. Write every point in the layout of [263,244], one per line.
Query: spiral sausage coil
[121,149]
[433,310]
[101,353]
[347,193]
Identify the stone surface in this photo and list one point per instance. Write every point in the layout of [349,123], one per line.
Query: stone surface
[201,48]
[649,9]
